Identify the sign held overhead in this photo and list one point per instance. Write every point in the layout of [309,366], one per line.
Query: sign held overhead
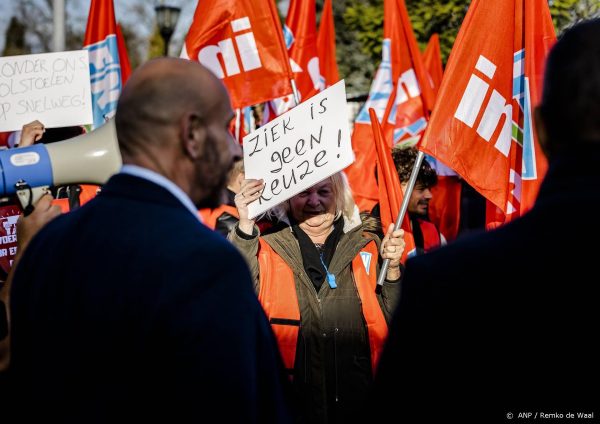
[299,148]
[53,88]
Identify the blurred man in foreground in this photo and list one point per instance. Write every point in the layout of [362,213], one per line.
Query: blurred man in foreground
[503,323]
[129,308]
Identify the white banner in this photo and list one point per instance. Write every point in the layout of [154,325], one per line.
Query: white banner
[53,88]
[300,148]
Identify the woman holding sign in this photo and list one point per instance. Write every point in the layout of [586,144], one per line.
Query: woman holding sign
[315,273]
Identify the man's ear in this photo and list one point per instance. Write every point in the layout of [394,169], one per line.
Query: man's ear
[193,135]
[540,129]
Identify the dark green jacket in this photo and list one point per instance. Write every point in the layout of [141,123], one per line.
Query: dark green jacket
[332,372]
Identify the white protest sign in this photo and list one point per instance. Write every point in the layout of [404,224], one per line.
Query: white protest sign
[53,88]
[300,148]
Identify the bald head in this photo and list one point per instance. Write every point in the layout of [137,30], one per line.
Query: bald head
[173,118]
[158,95]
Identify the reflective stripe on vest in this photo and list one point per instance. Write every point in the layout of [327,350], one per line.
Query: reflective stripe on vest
[279,299]
[431,235]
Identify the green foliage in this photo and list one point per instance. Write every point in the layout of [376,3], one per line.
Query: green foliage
[157,44]
[365,17]
[367,21]
[427,17]
[567,12]
[435,16]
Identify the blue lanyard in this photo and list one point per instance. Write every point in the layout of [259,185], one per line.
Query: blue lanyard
[330,276]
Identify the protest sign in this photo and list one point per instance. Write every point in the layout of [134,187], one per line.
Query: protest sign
[53,88]
[300,148]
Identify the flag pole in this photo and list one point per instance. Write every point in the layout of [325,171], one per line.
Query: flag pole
[238,121]
[295,91]
[403,208]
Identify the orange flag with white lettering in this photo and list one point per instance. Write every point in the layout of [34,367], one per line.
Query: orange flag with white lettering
[389,188]
[326,46]
[482,124]
[241,42]
[432,59]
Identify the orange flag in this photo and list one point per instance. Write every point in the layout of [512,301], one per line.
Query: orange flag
[241,42]
[432,59]
[361,174]
[413,91]
[106,69]
[326,46]
[389,188]
[300,35]
[482,125]
[123,57]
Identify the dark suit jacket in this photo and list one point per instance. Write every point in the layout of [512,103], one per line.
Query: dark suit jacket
[506,321]
[130,308]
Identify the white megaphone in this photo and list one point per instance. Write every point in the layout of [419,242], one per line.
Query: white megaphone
[89,158]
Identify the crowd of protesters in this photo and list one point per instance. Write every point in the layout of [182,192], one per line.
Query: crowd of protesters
[131,307]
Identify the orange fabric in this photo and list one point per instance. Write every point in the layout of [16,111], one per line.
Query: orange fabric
[210,216]
[390,190]
[101,22]
[301,32]
[444,207]
[278,297]
[431,235]
[401,95]
[482,117]
[432,59]
[302,21]
[123,56]
[326,46]
[413,95]
[88,192]
[214,22]
[63,204]
[366,285]
[361,173]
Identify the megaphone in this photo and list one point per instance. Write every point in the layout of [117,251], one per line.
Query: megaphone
[89,158]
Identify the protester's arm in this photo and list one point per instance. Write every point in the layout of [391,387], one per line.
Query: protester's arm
[27,227]
[31,133]
[392,248]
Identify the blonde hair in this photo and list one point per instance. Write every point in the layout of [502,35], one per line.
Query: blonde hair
[344,202]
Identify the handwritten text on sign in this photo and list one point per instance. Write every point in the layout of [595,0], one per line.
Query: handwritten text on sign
[300,148]
[53,88]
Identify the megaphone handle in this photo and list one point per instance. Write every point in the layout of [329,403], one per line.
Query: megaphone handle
[28,196]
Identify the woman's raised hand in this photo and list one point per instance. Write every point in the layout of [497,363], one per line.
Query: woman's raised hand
[249,192]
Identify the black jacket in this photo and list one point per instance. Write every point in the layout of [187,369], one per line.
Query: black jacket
[129,309]
[504,322]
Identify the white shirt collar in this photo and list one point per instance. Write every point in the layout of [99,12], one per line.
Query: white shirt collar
[164,182]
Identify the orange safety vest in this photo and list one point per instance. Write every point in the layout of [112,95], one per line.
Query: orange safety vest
[88,192]
[431,235]
[278,297]
[210,216]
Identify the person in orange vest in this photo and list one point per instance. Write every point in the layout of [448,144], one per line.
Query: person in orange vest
[427,236]
[224,217]
[315,272]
